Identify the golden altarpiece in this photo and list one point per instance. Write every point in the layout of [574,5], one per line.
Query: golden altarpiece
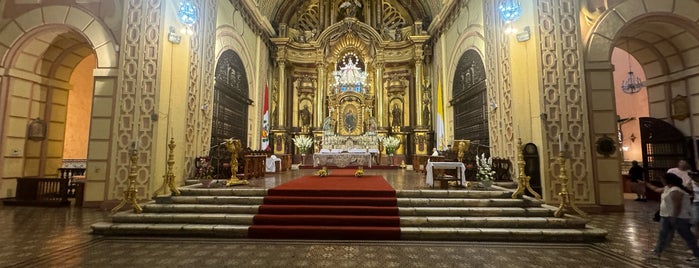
[349,73]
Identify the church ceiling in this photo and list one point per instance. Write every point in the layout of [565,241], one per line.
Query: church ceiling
[277,10]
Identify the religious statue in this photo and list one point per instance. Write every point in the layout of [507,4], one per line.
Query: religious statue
[305,115]
[395,115]
[350,123]
[426,116]
[234,147]
[350,8]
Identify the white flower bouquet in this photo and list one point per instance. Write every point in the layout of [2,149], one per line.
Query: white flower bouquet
[391,143]
[485,168]
[304,143]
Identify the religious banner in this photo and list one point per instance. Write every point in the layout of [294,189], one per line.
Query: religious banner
[265,120]
[439,127]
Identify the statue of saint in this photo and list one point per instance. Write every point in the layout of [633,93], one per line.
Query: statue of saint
[305,115]
[350,123]
[426,116]
[396,118]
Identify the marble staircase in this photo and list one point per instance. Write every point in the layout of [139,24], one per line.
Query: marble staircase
[460,215]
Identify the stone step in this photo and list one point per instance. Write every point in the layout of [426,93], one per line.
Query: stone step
[467,202]
[452,194]
[503,234]
[476,211]
[194,191]
[193,218]
[493,222]
[171,229]
[200,208]
[230,200]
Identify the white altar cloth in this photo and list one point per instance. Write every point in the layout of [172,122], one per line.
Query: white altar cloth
[270,164]
[342,159]
[459,166]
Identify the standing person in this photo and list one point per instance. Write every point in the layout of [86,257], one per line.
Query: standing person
[682,171]
[675,214]
[638,185]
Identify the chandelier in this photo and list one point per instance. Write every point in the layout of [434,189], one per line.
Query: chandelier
[510,10]
[187,13]
[632,83]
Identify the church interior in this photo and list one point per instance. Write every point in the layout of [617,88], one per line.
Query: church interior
[348,133]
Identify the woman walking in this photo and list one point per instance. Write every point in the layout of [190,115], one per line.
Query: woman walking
[675,214]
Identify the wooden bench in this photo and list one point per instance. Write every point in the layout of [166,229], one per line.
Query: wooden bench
[40,191]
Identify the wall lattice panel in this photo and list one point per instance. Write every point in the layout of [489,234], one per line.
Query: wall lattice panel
[499,84]
[563,95]
[137,93]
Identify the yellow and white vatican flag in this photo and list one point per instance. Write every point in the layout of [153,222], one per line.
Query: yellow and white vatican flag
[439,126]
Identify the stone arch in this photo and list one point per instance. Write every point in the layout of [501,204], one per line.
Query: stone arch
[229,39]
[89,26]
[39,51]
[662,36]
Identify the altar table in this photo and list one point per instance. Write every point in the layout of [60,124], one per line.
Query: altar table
[458,166]
[342,159]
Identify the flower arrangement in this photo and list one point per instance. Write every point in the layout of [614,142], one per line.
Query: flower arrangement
[205,171]
[304,143]
[485,169]
[391,143]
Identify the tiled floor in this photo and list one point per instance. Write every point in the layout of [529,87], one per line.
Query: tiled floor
[60,237]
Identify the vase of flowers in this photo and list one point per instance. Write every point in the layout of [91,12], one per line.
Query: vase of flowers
[485,174]
[304,144]
[205,171]
[391,144]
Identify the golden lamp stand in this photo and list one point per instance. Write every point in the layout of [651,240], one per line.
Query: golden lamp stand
[566,200]
[234,147]
[130,192]
[523,184]
[169,177]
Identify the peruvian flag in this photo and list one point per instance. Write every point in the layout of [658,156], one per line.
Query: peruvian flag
[265,120]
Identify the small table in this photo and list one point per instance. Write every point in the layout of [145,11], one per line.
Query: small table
[273,165]
[458,166]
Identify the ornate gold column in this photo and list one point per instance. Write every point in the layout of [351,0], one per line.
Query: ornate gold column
[378,92]
[419,57]
[281,109]
[320,95]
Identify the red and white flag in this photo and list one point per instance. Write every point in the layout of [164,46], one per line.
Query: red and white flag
[265,120]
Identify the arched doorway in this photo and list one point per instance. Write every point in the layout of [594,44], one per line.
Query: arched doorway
[469,100]
[231,101]
[51,86]
[663,39]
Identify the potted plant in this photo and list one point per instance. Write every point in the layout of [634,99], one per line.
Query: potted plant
[485,174]
[391,144]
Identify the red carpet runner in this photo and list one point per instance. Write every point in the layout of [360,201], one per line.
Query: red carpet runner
[334,207]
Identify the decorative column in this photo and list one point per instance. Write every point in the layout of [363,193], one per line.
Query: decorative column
[378,92]
[279,134]
[422,134]
[320,96]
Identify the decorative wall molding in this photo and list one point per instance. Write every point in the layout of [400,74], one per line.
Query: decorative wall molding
[564,97]
[138,89]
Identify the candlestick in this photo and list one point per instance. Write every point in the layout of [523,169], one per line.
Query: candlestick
[560,142]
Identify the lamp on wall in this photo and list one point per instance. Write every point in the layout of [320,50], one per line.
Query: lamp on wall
[632,83]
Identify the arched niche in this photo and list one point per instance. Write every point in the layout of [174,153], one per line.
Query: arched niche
[231,100]
[469,99]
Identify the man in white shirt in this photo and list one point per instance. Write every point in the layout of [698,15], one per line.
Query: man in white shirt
[682,171]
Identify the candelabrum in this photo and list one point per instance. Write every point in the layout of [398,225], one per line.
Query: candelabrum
[523,184]
[169,177]
[130,192]
[566,197]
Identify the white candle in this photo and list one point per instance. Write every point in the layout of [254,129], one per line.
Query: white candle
[560,142]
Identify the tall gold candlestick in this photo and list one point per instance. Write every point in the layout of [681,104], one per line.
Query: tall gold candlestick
[522,179]
[566,197]
[130,192]
[169,177]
